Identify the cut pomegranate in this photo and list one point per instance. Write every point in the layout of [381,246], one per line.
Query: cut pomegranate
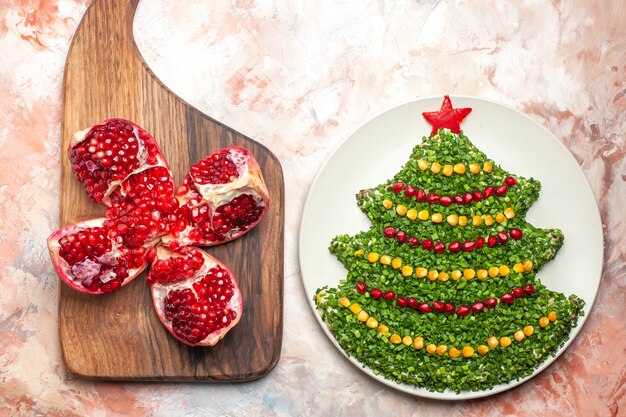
[195,296]
[221,198]
[108,153]
[88,260]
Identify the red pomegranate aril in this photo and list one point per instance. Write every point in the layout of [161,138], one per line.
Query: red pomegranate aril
[529,289]
[510,181]
[424,308]
[491,302]
[389,232]
[410,191]
[427,244]
[397,187]
[480,242]
[420,195]
[488,192]
[503,237]
[448,308]
[507,298]
[477,307]
[361,287]
[477,196]
[432,198]
[389,295]
[438,306]
[518,292]
[413,241]
[454,246]
[515,233]
[376,293]
[445,201]
[413,303]
[439,247]
[401,236]
[402,302]
[468,246]
[492,241]
[458,199]
[501,190]
[463,311]
[468,198]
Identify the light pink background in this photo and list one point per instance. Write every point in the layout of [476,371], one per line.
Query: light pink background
[298,76]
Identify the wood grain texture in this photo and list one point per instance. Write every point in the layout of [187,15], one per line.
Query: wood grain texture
[118,335]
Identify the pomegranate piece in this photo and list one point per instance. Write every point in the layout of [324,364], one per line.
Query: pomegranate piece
[222,197]
[88,260]
[108,153]
[198,307]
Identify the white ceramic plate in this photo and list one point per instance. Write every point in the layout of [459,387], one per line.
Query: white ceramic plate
[378,149]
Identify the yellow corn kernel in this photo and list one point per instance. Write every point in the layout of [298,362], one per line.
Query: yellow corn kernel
[385,259]
[481,274]
[528,266]
[505,341]
[468,351]
[422,165]
[477,221]
[441,350]
[443,277]
[401,210]
[396,263]
[418,343]
[454,352]
[387,204]
[529,330]
[488,220]
[456,274]
[395,339]
[355,308]
[407,340]
[469,273]
[509,213]
[433,275]
[372,257]
[504,270]
[383,329]
[362,316]
[435,168]
[344,302]
[431,348]
[437,218]
[359,252]
[407,271]
[493,342]
[372,323]
[423,215]
[500,217]
[447,170]
[452,219]
[519,335]
[474,168]
[552,316]
[488,167]
[421,272]
[518,267]
[411,214]
[482,349]
[459,168]
[494,271]
[462,221]
[544,321]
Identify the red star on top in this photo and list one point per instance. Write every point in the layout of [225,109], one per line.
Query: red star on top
[446,117]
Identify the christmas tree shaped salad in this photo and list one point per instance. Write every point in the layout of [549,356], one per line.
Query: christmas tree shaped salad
[441,292]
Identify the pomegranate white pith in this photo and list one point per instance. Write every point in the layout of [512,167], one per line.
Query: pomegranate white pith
[195,296]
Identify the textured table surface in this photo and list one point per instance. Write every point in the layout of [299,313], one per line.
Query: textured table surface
[298,76]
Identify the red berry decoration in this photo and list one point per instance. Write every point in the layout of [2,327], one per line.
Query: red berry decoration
[424,308]
[447,117]
[446,201]
[402,302]
[376,293]
[501,190]
[432,198]
[480,242]
[510,181]
[468,246]
[477,307]
[439,247]
[477,195]
[529,289]
[389,232]
[427,244]
[468,198]
[401,236]
[438,306]
[420,195]
[397,187]
[518,292]
[410,191]
[458,199]
[507,298]
[503,237]
[361,287]
[455,246]
[492,241]
[413,303]
[448,308]
[491,302]
[515,233]
[488,192]
[413,241]
[463,311]
[389,295]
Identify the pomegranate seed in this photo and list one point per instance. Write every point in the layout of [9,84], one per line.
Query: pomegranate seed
[488,191]
[510,181]
[361,287]
[503,237]
[468,198]
[515,233]
[424,308]
[410,191]
[518,292]
[427,244]
[376,293]
[445,201]
[529,289]
[507,298]
[432,198]
[477,307]
[463,310]
[501,190]
[397,187]
[389,295]
[492,241]
[402,302]
[468,246]
[401,236]
[458,199]
[491,302]
[448,308]
[438,306]
[439,247]
[389,232]
[477,195]
[413,303]
[454,246]
[413,241]
[480,242]
[420,195]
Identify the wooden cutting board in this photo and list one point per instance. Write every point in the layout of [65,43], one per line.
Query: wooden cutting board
[118,335]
